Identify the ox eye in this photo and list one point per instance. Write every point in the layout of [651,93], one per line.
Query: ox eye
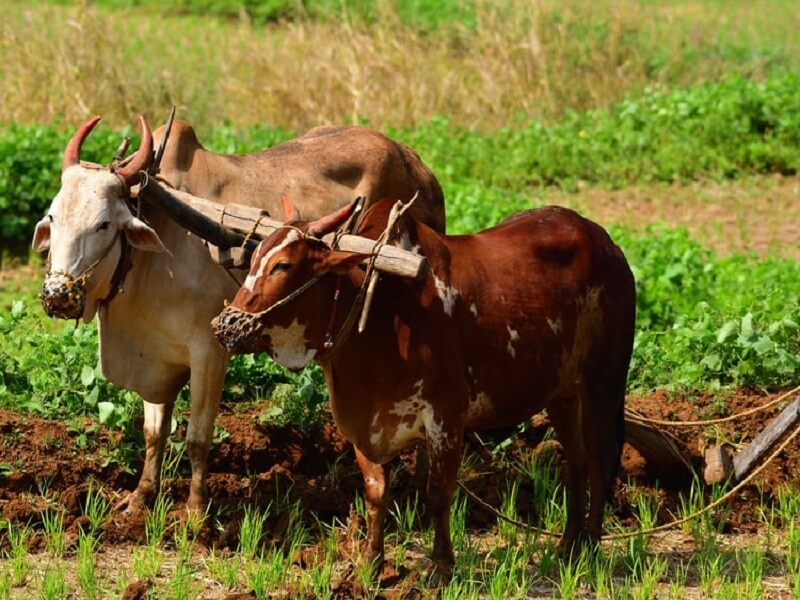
[281,266]
[103,226]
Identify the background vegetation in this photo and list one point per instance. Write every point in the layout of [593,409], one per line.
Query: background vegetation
[398,63]
[729,129]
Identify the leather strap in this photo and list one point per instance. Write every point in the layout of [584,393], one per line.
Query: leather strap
[124,264]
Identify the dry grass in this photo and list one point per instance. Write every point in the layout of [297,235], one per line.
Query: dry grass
[756,214]
[527,59]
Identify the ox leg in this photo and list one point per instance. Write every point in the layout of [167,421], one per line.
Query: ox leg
[206,381]
[444,455]
[376,495]
[604,433]
[568,423]
[157,422]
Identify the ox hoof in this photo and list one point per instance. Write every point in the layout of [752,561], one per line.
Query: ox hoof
[197,509]
[439,574]
[572,547]
[133,504]
[374,561]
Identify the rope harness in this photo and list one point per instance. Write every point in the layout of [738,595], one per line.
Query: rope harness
[332,342]
[75,287]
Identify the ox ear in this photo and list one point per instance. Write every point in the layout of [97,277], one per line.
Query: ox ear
[339,262]
[41,236]
[290,211]
[141,236]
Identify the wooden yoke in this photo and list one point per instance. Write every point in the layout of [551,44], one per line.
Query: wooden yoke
[234,230]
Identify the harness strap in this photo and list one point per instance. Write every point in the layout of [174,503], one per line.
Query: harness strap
[124,265]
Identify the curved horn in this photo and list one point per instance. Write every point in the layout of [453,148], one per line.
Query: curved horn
[143,157]
[290,211]
[332,221]
[72,153]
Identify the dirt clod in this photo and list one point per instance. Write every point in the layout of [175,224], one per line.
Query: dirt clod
[137,590]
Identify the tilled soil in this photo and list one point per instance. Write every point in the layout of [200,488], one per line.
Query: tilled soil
[42,462]
[254,465]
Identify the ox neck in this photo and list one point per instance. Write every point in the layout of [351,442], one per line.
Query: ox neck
[343,310]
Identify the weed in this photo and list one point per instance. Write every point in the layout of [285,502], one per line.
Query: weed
[509,508]
[225,568]
[6,583]
[53,523]
[182,586]
[648,578]
[95,509]
[368,578]
[458,521]
[251,531]
[677,582]
[155,521]
[184,538]
[752,563]
[709,568]
[147,562]
[507,579]
[272,569]
[571,572]
[319,577]
[549,558]
[457,589]
[256,578]
[53,585]
[637,547]
[18,540]
[85,572]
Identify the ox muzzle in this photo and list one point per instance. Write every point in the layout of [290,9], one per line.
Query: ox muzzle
[62,296]
[237,330]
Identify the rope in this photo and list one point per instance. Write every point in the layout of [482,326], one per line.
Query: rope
[635,415]
[347,326]
[651,530]
[252,231]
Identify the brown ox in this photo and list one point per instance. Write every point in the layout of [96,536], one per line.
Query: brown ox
[536,313]
[156,336]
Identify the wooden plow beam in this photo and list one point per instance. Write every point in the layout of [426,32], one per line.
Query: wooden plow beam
[659,449]
[722,464]
[234,231]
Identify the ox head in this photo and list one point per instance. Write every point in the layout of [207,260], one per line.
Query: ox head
[279,309]
[83,227]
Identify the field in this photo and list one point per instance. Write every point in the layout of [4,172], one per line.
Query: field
[674,124]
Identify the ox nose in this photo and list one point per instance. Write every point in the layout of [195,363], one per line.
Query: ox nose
[62,297]
[236,330]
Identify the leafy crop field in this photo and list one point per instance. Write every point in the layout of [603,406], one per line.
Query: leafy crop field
[674,124]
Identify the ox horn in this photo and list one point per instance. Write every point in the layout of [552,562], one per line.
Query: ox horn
[72,153]
[332,221]
[143,157]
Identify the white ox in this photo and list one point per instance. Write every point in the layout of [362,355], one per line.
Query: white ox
[156,336]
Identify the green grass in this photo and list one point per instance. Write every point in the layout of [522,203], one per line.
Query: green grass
[730,129]
[704,322]
[424,14]
[488,564]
